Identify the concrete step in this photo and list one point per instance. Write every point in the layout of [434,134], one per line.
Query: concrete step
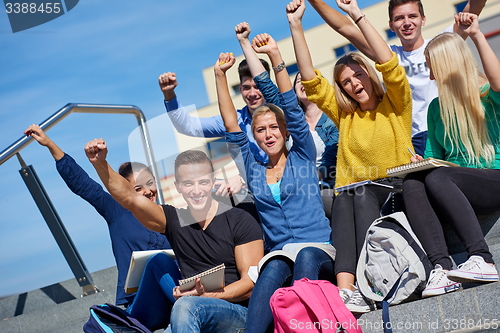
[56,308]
[474,309]
[59,308]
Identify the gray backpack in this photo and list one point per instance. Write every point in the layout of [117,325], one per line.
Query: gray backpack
[392,266]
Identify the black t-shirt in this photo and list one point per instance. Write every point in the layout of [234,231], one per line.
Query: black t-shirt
[197,250]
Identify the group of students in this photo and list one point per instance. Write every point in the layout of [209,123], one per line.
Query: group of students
[279,142]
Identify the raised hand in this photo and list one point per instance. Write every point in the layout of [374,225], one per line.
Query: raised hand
[96,150]
[38,134]
[224,62]
[350,7]
[264,43]
[468,23]
[295,10]
[242,31]
[168,82]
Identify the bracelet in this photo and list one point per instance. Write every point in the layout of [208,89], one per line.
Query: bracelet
[280,67]
[359,19]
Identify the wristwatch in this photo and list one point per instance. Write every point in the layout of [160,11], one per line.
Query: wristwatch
[280,67]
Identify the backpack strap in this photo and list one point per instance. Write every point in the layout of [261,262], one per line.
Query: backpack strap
[385,307]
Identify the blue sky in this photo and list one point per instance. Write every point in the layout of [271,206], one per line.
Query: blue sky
[108,52]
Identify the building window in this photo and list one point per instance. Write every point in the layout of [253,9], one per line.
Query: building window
[340,51]
[217,148]
[390,34]
[459,7]
[292,69]
[236,89]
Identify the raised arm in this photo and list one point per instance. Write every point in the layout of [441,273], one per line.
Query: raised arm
[257,70]
[264,43]
[242,32]
[381,51]
[226,106]
[295,12]
[343,26]
[183,122]
[475,6]
[469,24]
[39,135]
[147,212]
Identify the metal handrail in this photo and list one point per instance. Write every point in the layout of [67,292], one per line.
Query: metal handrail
[69,108]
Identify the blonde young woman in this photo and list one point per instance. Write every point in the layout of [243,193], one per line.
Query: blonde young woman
[374,131]
[464,128]
[282,187]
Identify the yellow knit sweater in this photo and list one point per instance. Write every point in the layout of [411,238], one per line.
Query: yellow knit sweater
[370,142]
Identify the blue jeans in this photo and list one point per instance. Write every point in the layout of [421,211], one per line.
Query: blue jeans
[154,299]
[311,263]
[205,314]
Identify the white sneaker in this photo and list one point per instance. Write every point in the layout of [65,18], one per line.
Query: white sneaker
[357,303]
[439,283]
[474,270]
[344,295]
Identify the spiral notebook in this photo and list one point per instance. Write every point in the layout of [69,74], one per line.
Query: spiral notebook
[428,163]
[212,279]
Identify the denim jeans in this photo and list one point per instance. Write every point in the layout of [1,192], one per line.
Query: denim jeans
[154,299]
[205,314]
[311,263]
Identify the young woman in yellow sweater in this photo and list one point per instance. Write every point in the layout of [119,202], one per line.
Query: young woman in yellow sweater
[374,135]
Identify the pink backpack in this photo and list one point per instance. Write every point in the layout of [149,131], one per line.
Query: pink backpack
[311,306]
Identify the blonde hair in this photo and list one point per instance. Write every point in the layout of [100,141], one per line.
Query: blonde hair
[266,108]
[457,76]
[346,102]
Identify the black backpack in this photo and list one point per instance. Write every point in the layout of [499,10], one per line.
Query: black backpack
[105,318]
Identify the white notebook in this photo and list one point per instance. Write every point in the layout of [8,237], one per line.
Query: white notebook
[212,279]
[428,163]
[136,268]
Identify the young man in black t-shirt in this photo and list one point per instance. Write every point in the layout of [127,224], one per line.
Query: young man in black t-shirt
[203,235]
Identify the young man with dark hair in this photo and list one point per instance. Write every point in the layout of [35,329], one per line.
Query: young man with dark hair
[203,235]
[244,70]
[406,19]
